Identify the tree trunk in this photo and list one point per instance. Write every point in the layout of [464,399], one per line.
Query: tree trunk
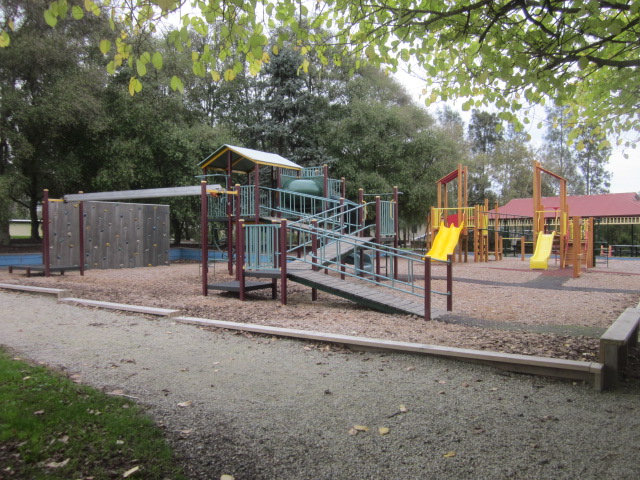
[5,237]
[176,226]
[35,222]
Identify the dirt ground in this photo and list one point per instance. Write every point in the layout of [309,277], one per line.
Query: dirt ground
[499,306]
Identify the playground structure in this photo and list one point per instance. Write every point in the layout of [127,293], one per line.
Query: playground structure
[80,233]
[474,222]
[300,227]
[574,244]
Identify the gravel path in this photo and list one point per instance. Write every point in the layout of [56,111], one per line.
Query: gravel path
[266,408]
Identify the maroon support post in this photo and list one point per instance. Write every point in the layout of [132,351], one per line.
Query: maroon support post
[46,260]
[314,254]
[283,262]
[229,210]
[449,283]
[81,235]
[378,237]
[396,231]
[240,258]
[237,232]
[204,237]
[427,288]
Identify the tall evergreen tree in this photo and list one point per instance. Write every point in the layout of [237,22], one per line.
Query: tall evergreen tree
[592,162]
[484,134]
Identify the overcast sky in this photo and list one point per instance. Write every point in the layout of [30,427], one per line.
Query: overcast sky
[625,173]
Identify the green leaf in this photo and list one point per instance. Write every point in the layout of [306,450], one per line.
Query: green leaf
[157,60]
[77,12]
[105,46]
[583,62]
[141,68]
[50,18]
[134,86]
[111,67]
[5,40]
[176,84]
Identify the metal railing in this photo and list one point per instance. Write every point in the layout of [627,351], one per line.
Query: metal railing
[346,256]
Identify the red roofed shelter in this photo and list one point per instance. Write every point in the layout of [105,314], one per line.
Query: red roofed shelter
[609,209]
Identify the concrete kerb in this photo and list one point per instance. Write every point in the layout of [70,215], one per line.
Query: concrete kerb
[568,369]
[60,293]
[560,368]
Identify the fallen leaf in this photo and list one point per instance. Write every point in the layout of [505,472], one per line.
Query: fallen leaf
[64,439]
[57,464]
[403,409]
[185,404]
[39,412]
[383,430]
[361,428]
[353,431]
[227,477]
[26,378]
[408,369]
[494,389]
[119,442]
[130,472]
[449,454]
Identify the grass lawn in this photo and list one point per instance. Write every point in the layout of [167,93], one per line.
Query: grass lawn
[53,428]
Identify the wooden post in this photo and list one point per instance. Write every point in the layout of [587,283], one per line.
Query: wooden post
[314,255]
[240,259]
[496,234]
[590,237]
[427,288]
[378,237]
[204,237]
[577,244]
[81,235]
[283,262]
[523,247]
[449,283]
[343,187]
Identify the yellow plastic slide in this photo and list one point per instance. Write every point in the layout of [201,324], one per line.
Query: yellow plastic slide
[445,242]
[541,256]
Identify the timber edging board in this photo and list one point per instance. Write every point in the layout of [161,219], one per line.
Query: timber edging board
[615,344]
[30,289]
[161,312]
[555,367]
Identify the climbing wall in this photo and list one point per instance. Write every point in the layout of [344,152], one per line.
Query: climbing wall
[117,235]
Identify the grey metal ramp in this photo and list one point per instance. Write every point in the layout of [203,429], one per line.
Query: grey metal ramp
[301,273]
[330,251]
